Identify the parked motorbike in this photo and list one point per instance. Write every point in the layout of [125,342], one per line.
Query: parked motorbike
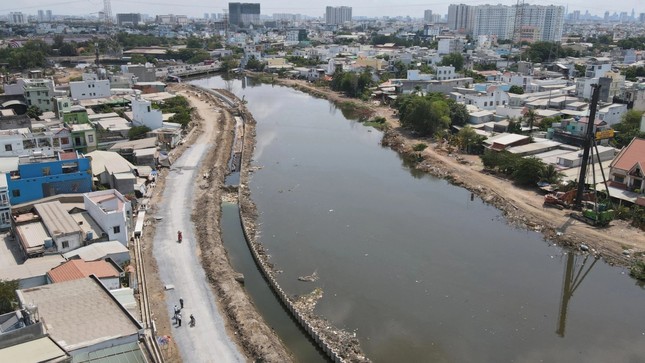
[179,236]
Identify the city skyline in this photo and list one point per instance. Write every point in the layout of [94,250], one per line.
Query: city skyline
[367,8]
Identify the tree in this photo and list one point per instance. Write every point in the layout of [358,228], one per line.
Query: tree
[194,42]
[8,300]
[528,170]
[628,128]
[550,174]
[137,132]
[453,59]
[516,89]
[426,115]
[531,117]
[34,112]
[255,64]
[469,141]
[458,113]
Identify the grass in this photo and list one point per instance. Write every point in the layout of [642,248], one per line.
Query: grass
[637,270]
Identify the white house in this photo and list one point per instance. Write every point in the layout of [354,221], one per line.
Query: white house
[489,100]
[144,115]
[416,75]
[612,114]
[446,72]
[112,212]
[91,88]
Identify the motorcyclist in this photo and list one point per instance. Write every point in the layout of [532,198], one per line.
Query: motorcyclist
[192,320]
[179,236]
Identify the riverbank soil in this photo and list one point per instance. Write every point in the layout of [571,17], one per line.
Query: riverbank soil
[244,323]
[619,243]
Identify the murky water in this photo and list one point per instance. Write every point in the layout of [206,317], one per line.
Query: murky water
[409,262]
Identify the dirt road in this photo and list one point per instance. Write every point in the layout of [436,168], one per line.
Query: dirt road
[521,207]
[199,268]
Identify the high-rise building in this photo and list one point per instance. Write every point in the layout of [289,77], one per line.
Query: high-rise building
[41,15]
[532,22]
[427,16]
[243,14]
[48,15]
[642,17]
[17,18]
[206,16]
[338,15]
[130,19]
[606,16]
[461,17]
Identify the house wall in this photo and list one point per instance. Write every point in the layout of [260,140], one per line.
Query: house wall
[612,115]
[73,241]
[110,218]
[111,283]
[33,184]
[28,144]
[144,115]
[84,90]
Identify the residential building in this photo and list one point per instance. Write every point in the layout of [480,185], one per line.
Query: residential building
[490,99]
[626,172]
[113,250]
[5,206]
[427,16]
[461,17]
[243,15]
[84,137]
[113,170]
[596,68]
[612,114]
[445,73]
[98,321]
[108,272]
[142,72]
[39,92]
[42,176]
[17,18]
[112,212]
[338,15]
[90,87]
[497,20]
[22,142]
[536,22]
[144,115]
[131,19]
[612,85]
[449,45]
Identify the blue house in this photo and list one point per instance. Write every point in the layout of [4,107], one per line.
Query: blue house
[40,177]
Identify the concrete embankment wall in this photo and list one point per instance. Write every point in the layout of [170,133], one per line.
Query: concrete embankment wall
[332,353]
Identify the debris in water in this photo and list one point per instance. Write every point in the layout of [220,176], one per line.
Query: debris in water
[584,247]
[311,278]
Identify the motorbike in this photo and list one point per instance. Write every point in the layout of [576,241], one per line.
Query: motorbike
[179,236]
[192,320]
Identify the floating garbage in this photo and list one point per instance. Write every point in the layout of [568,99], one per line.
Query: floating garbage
[584,247]
[310,278]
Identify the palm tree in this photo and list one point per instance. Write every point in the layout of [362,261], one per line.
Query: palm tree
[531,116]
[550,174]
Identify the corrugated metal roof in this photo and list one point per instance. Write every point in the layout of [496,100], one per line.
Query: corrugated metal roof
[126,353]
[78,269]
[38,350]
[56,219]
[109,161]
[97,251]
[32,235]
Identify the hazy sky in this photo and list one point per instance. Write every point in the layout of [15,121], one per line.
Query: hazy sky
[197,8]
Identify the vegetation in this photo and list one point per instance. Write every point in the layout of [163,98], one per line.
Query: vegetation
[469,141]
[189,55]
[524,171]
[352,84]
[302,61]
[516,89]
[8,300]
[632,73]
[31,55]
[228,63]
[637,270]
[138,132]
[453,59]
[419,147]
[180,107]
[531,117]
[540,52]
[33,111]
[637,43]
[377,123]
[550,174]
[255,65]
[628,128]
[424,114]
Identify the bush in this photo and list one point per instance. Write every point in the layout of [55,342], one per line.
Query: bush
[419,147]
[637,270]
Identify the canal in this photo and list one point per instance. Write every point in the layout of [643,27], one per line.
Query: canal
[419,271]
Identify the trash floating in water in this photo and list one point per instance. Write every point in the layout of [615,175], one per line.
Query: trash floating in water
[310,278]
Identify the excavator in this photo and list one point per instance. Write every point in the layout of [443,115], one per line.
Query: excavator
[562,200]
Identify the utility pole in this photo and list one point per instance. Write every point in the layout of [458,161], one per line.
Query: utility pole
[587,145]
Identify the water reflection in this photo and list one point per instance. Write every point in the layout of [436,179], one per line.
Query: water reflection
[570,282]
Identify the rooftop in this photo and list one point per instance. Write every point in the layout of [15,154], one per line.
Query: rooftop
[630,155]
[38,350]
[56,218]
[97,251]
[78,269]
[80,313]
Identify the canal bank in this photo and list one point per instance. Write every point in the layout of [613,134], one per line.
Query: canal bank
[411,264]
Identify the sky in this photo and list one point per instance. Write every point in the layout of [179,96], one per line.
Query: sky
[371,8]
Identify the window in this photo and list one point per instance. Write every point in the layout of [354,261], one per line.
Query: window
[116,229]
[65,244]
[7,147]
[46,171]
[90,138]
[64,140]
[15,193]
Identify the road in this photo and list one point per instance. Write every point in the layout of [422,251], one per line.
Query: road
[179,265]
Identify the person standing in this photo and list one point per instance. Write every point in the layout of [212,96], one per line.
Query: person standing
[181,302]
[178,319]
[176,312]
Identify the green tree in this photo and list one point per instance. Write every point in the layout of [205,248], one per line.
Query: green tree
[33,111]
[531,117]
[527,171]
[8,300]
[138,132]
[628,128]
[453,59]
[550,174]
[469,141]
[514,126]
[255,64]
[458,113]
[426,115]
[194,42]
[516,90]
